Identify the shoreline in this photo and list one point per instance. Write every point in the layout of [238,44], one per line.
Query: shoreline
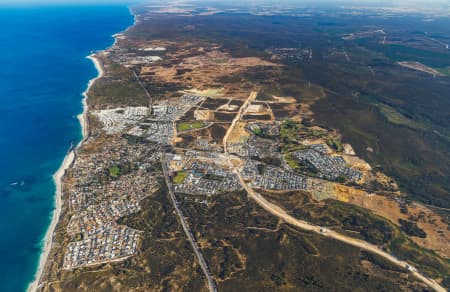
[59,174]
[69,159]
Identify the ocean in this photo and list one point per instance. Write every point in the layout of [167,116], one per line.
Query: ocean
[43,71]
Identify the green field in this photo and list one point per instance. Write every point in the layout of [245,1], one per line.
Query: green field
[114,171]
[190,126]
[180,177]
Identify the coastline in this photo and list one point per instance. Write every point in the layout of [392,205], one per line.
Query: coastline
[59,174]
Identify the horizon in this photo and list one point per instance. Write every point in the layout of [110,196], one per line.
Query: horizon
[247,2]
[433,8]
[34,3]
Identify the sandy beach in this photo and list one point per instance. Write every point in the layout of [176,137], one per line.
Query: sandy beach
[57,177]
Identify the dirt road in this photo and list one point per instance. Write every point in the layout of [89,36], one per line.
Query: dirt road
[282,214]
[237,118]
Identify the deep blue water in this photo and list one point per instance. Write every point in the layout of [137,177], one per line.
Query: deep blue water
[43,71]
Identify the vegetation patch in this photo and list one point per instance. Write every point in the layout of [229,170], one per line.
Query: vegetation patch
[411,228]
[119,87]
[180,177]
[189,126]
[114,171]
[335,143]
[288,134]
[257,131]
[395,117]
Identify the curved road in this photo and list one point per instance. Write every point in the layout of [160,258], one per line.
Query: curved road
[282,214]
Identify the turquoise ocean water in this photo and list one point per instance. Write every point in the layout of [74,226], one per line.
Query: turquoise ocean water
[43,71]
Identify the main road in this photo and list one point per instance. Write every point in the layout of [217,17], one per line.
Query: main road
[187,230]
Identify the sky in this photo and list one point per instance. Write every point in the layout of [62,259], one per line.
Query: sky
[126,1]
[63,2]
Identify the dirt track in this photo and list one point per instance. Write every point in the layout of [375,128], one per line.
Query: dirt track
[282,214]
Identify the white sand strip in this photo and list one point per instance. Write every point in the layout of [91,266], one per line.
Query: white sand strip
[57,177]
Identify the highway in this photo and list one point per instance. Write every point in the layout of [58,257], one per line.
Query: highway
[211,284]
[150,99]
